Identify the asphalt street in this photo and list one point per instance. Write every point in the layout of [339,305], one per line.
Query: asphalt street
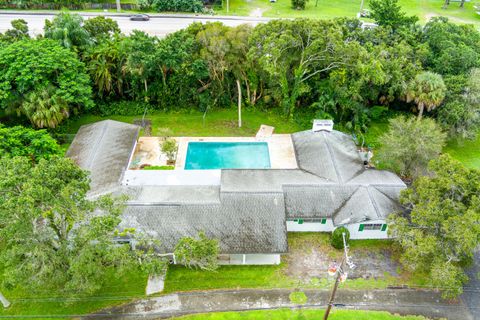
[158,25]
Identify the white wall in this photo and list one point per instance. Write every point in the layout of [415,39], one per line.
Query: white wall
[293,226]
[250,259]
[367,234]
[171,177]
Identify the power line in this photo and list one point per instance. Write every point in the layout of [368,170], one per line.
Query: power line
[305,306]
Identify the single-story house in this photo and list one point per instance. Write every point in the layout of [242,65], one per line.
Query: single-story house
[249,211]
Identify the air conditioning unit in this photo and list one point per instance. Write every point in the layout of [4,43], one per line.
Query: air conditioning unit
[322,125]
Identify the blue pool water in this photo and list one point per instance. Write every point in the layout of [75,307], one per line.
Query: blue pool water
[227,155]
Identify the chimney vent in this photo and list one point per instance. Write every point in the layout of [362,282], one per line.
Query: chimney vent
[322,125]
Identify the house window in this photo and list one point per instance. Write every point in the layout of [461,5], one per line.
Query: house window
[310,220]
[372,226]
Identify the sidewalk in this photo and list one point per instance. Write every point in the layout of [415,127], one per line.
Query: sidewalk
[402,301]
[128,14]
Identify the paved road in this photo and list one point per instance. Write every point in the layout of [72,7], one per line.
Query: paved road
[471,296]
[400,301]
[159,25]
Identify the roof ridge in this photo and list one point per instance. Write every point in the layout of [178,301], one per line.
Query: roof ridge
[374,203]
[97,144]
[344,203]
[390,198]
[332,158]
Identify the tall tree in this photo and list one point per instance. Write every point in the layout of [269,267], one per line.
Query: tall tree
[19,31]
[106,66]
[101,28]
[141,60]
[389,13]
[441,227]
[27,142]
[410,144]
[53,237]
[42,71]
[44,108]
[460,116]
[68,30]
[294,51]
[427,90]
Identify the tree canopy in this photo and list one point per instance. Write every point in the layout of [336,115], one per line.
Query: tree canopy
[34,144]
[441,227]
[409,145]
[200,252]
[42,80]
[52,236]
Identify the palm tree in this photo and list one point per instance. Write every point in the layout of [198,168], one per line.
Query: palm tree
[68,30]
[44,109]
[427,90]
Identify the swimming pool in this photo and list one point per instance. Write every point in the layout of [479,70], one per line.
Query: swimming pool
[227,155]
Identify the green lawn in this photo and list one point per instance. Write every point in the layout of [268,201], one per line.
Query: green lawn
[48,302]
[221,122]
[424,9]
[466,151]
[308,314]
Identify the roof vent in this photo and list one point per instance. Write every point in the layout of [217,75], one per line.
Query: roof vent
[322,125]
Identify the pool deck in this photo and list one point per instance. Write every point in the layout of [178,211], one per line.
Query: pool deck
[280,148]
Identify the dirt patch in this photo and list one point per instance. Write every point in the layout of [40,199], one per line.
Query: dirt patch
[310,255]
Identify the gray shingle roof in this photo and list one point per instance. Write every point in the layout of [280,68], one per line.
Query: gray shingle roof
[243,223]
[247,211]
[331,155]
[268,180]
[104,148]
[343,203]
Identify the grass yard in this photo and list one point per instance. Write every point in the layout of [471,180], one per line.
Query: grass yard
[48,303]
[280,276]
[223,122]
[424,9]
[466,151]
[307,314]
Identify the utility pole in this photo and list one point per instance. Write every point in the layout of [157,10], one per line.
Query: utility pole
[339,273]
[4,301]
[334,291]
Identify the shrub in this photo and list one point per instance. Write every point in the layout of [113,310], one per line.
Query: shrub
[158,168]
[144,4]
[337,238]
[298,297]
[169,147]
[299,4]
[198,253]
[178,5]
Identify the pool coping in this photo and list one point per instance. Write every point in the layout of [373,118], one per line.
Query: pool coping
[280,149]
